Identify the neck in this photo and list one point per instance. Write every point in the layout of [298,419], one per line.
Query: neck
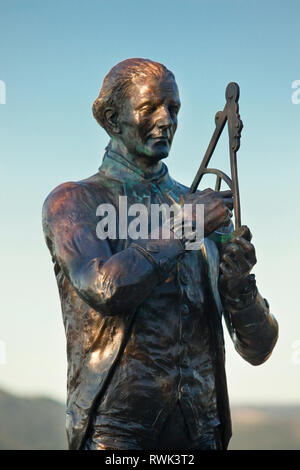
[147,165]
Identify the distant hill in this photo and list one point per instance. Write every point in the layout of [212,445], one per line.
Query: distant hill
[39,423]
[31,423]
[265,428]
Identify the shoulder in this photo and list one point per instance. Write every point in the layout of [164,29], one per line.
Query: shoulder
[67,200]
[72,193]
[62,196]
[75,201]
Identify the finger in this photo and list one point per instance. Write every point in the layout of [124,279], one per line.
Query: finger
[227,220]
[226,271]
[246,234]
[226,197]
[228,203]
[225,194]
[233,265]
[207,190]
[243,232]
[248,249]
[217,215]
[243,265]
[227,216]
[245,257]
[231,248]
[243,244]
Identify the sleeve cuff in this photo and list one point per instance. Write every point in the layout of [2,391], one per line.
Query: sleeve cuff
[252,315]
[163,254]
[245,297]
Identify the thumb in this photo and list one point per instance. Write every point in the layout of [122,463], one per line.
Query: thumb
[243,232]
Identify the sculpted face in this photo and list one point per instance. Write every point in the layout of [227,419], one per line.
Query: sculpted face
[148,119]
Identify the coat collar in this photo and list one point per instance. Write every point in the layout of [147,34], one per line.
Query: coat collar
[117,167]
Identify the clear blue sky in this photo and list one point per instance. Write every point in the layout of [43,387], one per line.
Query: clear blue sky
[53,57]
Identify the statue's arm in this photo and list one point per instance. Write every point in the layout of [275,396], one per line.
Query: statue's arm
[252,327]
[110,283]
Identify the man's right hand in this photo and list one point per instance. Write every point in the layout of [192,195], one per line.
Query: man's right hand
[217,208]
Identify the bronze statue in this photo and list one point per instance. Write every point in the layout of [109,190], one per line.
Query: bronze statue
[143,316]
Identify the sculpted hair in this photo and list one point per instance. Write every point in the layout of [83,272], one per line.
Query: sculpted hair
[118,81]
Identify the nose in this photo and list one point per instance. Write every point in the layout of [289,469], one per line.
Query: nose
[164,119]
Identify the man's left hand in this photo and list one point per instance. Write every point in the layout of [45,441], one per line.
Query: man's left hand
[238,259]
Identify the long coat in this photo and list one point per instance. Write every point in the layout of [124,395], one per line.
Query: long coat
[103,283]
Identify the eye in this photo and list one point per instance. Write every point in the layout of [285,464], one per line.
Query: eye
[173,110]
[147,109]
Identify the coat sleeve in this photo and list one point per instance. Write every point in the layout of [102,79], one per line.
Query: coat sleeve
[253,329]
[251,325]
[110,283]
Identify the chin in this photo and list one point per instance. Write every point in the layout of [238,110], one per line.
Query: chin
[159,153]
[153,153]
[155,157]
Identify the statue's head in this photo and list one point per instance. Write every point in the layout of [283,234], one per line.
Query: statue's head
[138,106]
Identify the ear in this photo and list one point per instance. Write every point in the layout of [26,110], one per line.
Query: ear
[111,120]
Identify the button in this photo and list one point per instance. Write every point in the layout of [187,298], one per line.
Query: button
[152,247]
[185,362]
[184,389]
[184,309]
